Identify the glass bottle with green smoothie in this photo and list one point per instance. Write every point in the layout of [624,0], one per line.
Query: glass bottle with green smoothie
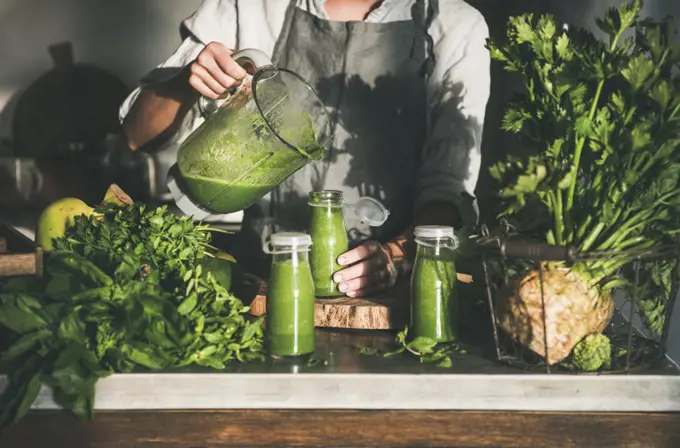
[434,304]
[290,297]
[329,238]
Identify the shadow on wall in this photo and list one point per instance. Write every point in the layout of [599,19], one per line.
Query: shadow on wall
[126,37]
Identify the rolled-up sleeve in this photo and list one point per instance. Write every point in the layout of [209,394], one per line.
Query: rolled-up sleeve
[458,92]
[214,21]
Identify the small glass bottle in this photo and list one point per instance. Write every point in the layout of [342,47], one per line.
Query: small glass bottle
[434,304]
[290,296]
[329,237]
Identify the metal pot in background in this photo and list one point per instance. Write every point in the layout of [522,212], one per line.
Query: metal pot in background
[67,140]
[20,180]
[69,109]
[60,124]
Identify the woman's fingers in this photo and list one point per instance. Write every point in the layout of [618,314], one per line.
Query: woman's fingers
[208,79]
[228,65]
[214,71]
[222,67]
[356,284]
[370,270]
[376,263]
[201,87]
[359,253]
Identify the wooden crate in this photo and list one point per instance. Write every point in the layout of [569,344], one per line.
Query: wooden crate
[18,255]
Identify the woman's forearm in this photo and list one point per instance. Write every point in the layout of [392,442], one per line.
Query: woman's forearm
[158,111]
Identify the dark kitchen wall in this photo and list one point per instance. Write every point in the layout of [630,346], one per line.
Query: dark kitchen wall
[125,37]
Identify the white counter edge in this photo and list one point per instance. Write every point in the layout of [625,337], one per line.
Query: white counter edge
[382,391]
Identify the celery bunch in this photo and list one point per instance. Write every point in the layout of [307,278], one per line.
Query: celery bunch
[601,121]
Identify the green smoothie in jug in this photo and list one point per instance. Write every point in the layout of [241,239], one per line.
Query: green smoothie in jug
[234,158]
[218,194]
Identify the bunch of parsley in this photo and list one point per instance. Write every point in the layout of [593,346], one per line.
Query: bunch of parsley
[124,289]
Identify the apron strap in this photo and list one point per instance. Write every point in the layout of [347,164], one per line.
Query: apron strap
[285,31]
[424,12]
[274,195]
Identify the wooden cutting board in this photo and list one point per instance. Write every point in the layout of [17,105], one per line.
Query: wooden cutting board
[387,311]
[384,312]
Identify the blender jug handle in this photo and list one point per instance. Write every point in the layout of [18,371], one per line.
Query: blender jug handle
[252,56]
[246,57]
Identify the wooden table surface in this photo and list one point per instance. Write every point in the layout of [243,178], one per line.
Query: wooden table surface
[271,428]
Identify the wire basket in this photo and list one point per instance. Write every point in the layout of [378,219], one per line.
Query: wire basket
[544,300]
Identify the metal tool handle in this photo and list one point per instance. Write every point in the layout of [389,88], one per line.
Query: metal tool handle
[537,251]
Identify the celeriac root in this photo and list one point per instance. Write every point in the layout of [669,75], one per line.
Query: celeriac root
[574,308]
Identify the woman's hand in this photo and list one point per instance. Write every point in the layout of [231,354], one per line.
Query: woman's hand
[214,71]
[371,270]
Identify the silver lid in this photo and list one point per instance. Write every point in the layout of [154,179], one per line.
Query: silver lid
[434,232]
[293,239]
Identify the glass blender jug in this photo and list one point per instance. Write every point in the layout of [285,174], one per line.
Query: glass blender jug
[273,125]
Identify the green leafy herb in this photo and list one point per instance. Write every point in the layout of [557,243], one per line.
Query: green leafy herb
[427,350]
[123,290]
[593,353]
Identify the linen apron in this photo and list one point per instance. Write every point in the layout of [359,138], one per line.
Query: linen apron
[369,77]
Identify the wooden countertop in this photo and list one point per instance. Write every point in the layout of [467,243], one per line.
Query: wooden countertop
[272,428]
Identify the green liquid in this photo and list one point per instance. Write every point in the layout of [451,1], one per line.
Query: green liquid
[233,159]
[220,196]
[329,240]
[290,308]
[434,305]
